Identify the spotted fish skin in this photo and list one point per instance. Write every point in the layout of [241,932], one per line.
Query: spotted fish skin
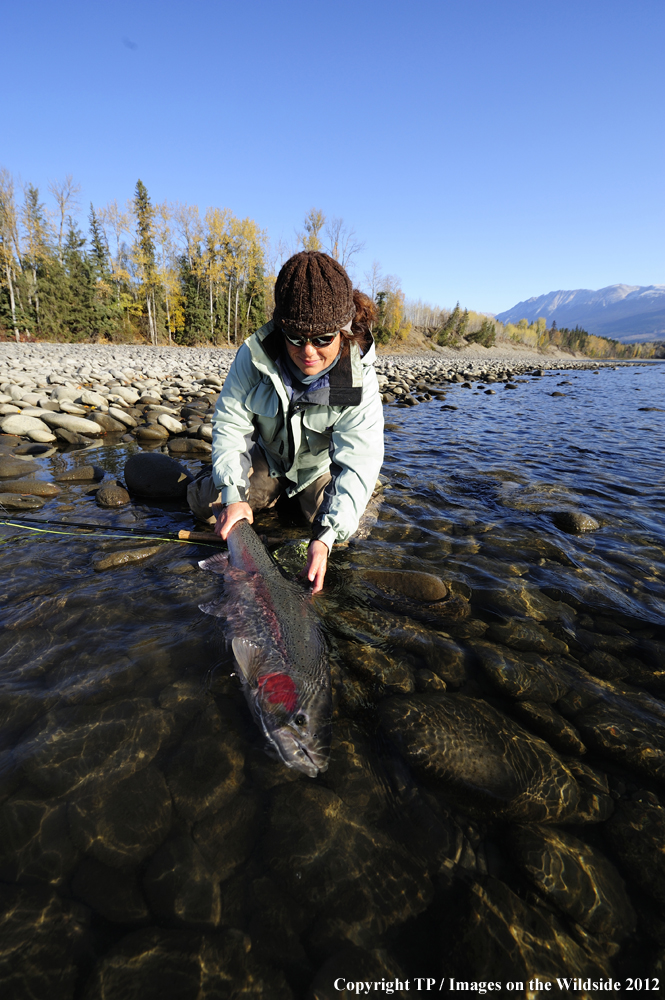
[280,650]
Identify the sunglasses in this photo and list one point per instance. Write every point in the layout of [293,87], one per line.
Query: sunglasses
[324,340]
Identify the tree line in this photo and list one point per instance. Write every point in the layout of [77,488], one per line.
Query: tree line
[457,327]
[165,273]
[168,273]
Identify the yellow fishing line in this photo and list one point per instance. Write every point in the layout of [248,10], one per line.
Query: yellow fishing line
[97,534]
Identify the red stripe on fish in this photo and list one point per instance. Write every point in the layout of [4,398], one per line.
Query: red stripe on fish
[279,689]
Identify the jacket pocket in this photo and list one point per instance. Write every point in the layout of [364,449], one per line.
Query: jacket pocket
[317,427]
[262,400]
[265,407]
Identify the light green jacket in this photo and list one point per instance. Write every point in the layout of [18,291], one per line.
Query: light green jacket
[301,440]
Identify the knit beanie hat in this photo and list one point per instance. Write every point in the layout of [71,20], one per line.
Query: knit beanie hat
[313,294]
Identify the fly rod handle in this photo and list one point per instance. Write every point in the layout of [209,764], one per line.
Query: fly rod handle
[200,536]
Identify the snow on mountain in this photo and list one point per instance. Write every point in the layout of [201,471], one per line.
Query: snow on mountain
[629,313]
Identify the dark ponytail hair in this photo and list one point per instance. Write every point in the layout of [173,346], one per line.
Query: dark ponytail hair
[366,314]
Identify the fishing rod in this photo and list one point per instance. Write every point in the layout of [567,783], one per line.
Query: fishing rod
[182,536]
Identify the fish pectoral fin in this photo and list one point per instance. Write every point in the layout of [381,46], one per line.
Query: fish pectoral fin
[248,657]
[217,563]
[215,608]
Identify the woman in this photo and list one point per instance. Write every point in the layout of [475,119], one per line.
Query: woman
[300,412]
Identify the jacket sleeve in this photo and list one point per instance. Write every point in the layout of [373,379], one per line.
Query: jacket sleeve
[356,452]
[233,430]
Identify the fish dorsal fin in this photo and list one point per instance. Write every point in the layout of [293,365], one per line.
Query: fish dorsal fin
[248,657]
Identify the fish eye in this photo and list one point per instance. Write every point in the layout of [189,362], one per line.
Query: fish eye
[300,719]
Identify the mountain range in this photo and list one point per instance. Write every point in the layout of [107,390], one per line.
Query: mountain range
[629,313]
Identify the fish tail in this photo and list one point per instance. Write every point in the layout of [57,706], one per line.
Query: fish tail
[215,608]
[217,563]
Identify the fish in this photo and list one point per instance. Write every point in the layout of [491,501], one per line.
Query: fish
[280,649]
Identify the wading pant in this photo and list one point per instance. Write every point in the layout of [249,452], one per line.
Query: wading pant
[264,491]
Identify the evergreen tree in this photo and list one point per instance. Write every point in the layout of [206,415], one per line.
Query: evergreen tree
[145,252]
[98,249]
[196,320]
[485,336]
[37,253]
[82,316]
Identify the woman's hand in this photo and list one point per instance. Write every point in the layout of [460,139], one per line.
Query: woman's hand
[230,515]
[317,563]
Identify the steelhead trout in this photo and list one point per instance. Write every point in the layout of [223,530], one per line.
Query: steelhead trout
[279,647]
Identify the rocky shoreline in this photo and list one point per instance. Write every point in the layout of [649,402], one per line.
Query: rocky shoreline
[63,395]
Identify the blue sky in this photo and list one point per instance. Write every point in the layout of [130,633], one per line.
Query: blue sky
[485,150]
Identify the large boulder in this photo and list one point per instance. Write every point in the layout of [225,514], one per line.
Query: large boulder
[69,422]
[70,748]
[485,762]
[576,878]
[151,474]
[500,936]
[16,423]
[122,823]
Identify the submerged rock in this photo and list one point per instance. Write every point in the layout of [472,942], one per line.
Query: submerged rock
[488,764]
[151,474]
[154,964]
[32,487]
[522,675]
[73,747]
[528,636]
[114,893]
[379,669]
[205,772]
[500,937]
[424,587]
[124,557]
[574,522]
[636,834]
[552,726]
[15,468]
[276,927]
[359,880]
[39,938]
[180,886]
[627,727]
[355,965]
[226,838]
[439,654]
[355,774]
[112,495]
[437,612]
[576,878]
[604,665]
[35,847]
[81,473]
[72,437]
[15,501]
[123,824]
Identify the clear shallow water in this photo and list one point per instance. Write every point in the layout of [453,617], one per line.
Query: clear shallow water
[494,806]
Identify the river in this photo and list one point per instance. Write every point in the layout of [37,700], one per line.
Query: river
[494,808]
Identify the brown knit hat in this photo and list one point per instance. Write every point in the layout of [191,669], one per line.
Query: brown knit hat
[313,294]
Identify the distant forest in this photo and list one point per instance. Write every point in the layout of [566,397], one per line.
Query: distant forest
[169,274]
[164,273]
[454,328]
